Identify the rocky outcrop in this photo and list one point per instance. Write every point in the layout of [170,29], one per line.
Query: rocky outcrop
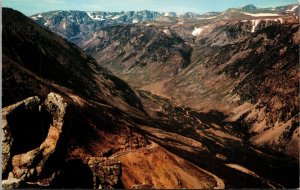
[106,171]
[42,120]
[27,168]
[12,183]
[7,137]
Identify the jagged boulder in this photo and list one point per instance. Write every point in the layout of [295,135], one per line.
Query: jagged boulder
[31,131]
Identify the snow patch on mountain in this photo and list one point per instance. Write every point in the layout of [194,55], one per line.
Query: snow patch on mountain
[47,23]
[256,22]
[90,15]
[135,21]
[207,18]
[170,14]
[254,25]
[293,8]
[96,17]
[260,14]
[37,17]
[167,32]
[117,17]
[198,31]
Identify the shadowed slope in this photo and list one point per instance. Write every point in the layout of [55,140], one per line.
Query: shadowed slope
[50,57]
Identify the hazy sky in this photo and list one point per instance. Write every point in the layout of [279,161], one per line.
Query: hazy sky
[30,7]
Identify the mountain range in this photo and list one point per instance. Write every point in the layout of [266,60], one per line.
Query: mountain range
[143,99]
[75,25]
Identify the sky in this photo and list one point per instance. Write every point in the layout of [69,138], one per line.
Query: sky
[30,7]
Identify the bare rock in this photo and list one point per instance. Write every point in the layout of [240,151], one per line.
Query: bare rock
[55,105]
[20,173]
[7,138]
[28,164]
[12,183]
[27,154]
[27,159]
[106,171]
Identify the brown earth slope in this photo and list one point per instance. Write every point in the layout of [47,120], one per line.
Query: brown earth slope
[169,171]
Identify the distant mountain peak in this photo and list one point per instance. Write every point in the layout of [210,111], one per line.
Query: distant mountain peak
[249,7]
[170,14]
[189,15]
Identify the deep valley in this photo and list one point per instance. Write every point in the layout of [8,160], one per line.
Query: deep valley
[143,99]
